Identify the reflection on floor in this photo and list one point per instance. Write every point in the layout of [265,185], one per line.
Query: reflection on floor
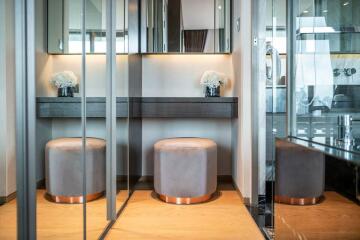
[335,218]
[59,221]
[145,217]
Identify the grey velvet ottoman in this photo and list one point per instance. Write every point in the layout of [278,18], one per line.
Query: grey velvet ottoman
[299,174]
[185,170]
[64,169]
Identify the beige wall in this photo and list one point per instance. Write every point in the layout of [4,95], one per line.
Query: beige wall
[7,99]
[242,141]
[179,75]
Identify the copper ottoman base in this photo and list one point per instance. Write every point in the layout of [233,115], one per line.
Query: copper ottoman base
[72,199]
[297,201]
[184,201]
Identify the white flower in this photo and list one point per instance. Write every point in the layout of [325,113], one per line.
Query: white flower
[64,79]
[213,79]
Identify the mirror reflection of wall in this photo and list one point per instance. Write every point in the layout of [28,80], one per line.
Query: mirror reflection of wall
[64,26]
[186,26]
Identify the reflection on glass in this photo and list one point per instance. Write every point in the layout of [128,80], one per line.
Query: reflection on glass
[121,82]
[59,167]
[201,26]
[64,27]
[327,80]
[8,201]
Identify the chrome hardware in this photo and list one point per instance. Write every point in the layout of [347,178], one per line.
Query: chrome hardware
[273,52]
[60,44]
[345,129]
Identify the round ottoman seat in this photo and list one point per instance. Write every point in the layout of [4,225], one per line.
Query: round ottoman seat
[185,170]
[64,169]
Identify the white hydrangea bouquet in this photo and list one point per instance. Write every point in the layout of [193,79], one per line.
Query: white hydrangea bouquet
[212,81]
[65,82]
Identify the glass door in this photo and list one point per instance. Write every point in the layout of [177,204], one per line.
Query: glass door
[8,181]
[72,117]
[273,85]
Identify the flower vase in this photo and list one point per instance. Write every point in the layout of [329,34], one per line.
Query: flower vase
[212,91]
[66,92]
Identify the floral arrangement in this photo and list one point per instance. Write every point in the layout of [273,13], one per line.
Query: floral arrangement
[64,79]
[213,79]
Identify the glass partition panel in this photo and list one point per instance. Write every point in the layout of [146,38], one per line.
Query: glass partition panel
[8,201]
[275,87]
[59,136]
[122,99]
[321,158]
[326,73]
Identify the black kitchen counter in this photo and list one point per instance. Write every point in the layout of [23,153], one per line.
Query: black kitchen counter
[329,146]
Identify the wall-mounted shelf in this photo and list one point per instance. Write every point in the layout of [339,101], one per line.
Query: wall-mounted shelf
[149,107]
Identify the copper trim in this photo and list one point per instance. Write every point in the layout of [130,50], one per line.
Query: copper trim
[297,201]
[73,199]
[184,200]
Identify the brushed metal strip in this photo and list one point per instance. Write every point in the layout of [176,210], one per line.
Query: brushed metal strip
[83,107]
[31,115]
[111,109]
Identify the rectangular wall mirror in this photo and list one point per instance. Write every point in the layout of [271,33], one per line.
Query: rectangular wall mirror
[186,26]
[64,26]
[167,26]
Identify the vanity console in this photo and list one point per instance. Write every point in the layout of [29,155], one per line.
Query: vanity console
[147,107]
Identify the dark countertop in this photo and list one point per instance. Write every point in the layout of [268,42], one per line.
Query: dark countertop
[143,99]
[330,147]
[148,107]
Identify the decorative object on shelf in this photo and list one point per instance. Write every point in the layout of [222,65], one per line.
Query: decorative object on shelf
[212,81]
[65,82]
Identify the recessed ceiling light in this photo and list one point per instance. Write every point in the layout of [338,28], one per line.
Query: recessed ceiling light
[346,3]
[305,11]
[325,11]
[220,7]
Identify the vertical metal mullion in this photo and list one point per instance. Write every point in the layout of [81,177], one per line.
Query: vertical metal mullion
[111,109]
[20,33]
[25,118]
[290,67]
[83,109]
[31,115]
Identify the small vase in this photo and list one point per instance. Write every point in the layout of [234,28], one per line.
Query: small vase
[66,92]
[212,91]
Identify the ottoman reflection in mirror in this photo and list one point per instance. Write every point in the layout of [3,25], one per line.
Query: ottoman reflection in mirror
[300,174]
[185,170]
[64,169]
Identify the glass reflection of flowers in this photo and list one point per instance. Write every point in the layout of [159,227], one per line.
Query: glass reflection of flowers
[65,82]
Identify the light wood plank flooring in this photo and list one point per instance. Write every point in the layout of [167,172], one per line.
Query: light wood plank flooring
[334,219]
[145,217]
[59,221]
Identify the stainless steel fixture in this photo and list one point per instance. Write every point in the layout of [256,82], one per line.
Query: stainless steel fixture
[345,129]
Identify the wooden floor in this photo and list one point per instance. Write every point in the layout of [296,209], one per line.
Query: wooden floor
[145,217]
[59,221]
[336,218]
